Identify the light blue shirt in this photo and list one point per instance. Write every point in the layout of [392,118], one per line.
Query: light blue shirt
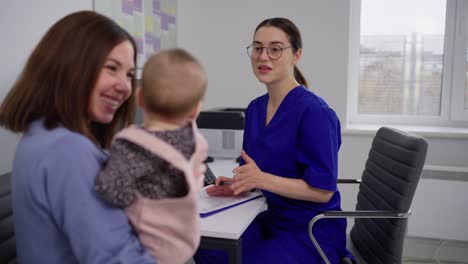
[58,216]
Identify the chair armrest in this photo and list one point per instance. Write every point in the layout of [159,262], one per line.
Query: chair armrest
[354,181]
[366,214]
[350,214]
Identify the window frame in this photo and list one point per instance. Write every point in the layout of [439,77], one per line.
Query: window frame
[459,113]
[452,112]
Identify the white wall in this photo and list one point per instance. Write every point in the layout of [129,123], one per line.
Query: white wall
[22,24]
[217,32]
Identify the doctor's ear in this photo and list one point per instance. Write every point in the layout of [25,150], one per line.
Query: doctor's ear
[297,56]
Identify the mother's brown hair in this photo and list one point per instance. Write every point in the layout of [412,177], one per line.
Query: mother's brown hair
[60,74]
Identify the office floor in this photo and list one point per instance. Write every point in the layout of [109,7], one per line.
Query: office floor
[430,251]
[404,262]
[433,262]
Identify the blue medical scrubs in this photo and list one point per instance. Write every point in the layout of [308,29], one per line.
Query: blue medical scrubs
[300,142]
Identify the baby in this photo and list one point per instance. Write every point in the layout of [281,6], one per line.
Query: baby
[156,170]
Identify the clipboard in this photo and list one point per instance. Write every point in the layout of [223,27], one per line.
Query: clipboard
[209,205]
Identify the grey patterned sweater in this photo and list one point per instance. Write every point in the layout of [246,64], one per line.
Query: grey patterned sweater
[132,168]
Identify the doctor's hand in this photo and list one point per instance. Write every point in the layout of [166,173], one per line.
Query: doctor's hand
[222,187]
[247,176]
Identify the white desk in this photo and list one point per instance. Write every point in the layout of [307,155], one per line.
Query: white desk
[224,229]
[231,223]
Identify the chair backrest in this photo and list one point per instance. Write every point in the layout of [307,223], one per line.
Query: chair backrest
[7,239]
[389,182]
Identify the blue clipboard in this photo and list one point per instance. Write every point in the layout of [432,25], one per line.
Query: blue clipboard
[209,205]
[203,215]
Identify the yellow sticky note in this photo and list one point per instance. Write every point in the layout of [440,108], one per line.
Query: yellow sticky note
[149,24]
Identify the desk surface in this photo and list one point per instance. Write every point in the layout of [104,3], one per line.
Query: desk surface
[231,223]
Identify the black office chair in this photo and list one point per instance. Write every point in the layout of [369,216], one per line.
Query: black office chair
[7,239]
[386,191]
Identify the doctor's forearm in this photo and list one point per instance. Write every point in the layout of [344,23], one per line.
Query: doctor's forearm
[295,189]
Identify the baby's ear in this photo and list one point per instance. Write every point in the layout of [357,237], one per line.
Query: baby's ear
[195,111]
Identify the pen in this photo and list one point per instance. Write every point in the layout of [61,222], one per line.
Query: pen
[225,183]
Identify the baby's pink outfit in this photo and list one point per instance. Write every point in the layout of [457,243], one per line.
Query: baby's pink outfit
[169,228]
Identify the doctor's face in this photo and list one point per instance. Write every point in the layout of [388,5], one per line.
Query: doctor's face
[272,56]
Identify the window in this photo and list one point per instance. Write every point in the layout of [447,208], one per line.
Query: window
[408,62]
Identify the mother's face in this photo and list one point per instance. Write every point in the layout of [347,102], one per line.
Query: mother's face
[114,84]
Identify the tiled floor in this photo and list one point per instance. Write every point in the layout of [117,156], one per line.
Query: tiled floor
[408,261]
[433,262]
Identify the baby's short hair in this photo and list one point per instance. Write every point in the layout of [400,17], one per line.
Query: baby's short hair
[173,83]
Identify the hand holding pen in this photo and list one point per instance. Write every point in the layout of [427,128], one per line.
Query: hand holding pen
[222,187]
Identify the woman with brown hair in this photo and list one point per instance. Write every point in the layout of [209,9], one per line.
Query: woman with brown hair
[74,94]
[290,152]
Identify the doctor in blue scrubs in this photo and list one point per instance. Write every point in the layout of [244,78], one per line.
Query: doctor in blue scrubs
[290,153]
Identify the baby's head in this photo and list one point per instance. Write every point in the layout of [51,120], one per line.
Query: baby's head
[173,84]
